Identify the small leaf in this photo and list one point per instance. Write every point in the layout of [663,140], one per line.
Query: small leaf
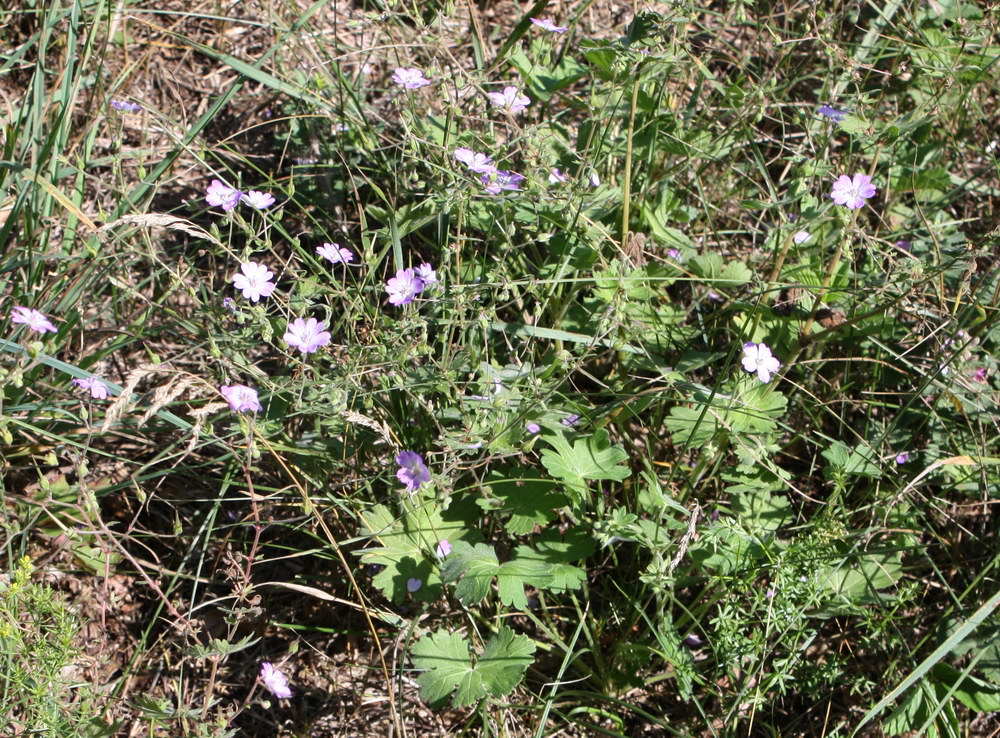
[528,501]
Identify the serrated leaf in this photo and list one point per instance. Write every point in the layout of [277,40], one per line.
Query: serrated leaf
[761,511]
[450,667]
[556,553]
[751,410]
[711,269]
[590,458]
[474,567]
[528,501]
[852,461]
[408,544]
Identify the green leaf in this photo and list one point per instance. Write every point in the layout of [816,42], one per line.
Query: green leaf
[761,511]
[556,553]
[590,458]
[752,410]
[474,567]
[710,268]
[528,501]
[852,461]
[449,666]
[408,545]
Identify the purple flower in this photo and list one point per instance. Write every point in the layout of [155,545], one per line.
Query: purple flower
[306,335]
[96,386]
[222,195]
[409,77]
[548,25]
[571,421]
[412,471]
[275,681]
[34,319]
[770,593]
[229,304]
[258,199]
[255,281]
[413,584]
[476,162]
[802,236]
[757,359]
[594,180]
[675,254]
[443,548]
[979,375]
[903,457]
[832,113]
[426,274]
[533,427]
[904,245]
[241,399]
[852,192]
[556,176]
[125,106]
[335,253]
[501,180]
[510,99]
[404,287]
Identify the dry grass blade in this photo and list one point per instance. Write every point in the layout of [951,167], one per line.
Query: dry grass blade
[158,220]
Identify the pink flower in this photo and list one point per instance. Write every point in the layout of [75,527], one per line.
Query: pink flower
[533,427]
[222,196]
[757,359]
[258,199]
[594,180]
[426,274]
[404,287]
[255,281]
[903,457]
[510,100]
[275,681]
[852,192]
[548,25]
[335,254]
[125,106]
[241,399]
[34,319]
[443,548]
[556,176]
[412,471]
[501,180]
[413,584]
[306,335]
[409,77]
[476,162]
[96,386]
[802,236]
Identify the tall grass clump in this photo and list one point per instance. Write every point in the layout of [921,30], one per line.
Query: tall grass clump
[588,369]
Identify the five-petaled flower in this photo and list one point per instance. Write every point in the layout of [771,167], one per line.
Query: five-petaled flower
[255,280]
[223,196]
[548,25]
[757,359]
[802,236]
[306,335]
[96,386]
[404,287]
[501,180]
[476,162]
[412,471]
[34,319]
[409,77]
[852,192]
[426,274]
[275,681]
[832,113]
[510,99]
[241,399]
[335,253]
[125,106]
[443,548]
[258,199]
